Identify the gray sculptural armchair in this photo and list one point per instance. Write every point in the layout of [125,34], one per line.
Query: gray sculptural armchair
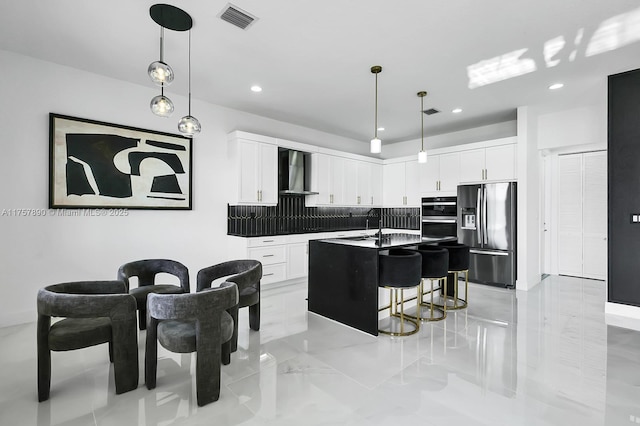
[195,322]
[146,271]
[246,274]
[95,312]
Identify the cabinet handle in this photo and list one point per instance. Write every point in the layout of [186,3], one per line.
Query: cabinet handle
[266,275]
[261,195]
[486,174]
[268,255]
[268,241]
[358,199]
[371,200]
[258,195]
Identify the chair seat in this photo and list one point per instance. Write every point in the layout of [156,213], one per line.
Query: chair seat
[180,335]
[75,333]
[248,296]
[140,293]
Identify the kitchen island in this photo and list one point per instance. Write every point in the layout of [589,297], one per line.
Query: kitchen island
[343,276]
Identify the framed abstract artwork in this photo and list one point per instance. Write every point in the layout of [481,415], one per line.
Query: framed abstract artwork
[103,165]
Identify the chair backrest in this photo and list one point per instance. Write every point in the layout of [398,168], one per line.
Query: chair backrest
[245,273]
[400,268]
[435,261]
[147,269]
[201,306]
[458,256]
[86,299]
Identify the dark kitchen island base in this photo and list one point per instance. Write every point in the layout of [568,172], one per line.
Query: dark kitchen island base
[343,284]
[343,276]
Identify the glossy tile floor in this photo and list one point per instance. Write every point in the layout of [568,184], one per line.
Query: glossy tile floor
[544,357]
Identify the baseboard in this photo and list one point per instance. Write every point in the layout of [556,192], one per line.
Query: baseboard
[620,315]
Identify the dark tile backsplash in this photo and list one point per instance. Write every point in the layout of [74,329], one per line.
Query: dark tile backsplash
[291,216]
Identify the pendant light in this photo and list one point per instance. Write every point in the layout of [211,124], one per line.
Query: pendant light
[189,125]
[162,75]
[159,71]
[422,155]
[376,144]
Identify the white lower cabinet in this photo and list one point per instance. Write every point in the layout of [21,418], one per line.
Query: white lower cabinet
[297,260]
[283,257]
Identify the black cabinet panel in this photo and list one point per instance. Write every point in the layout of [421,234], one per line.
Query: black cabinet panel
[624,187]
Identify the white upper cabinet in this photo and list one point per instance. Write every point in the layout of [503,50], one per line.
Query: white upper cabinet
[369,178]
[256,168]
[376,185]
[401,184]
[449,173]
[412,183]
[328,178]
[343,181]
[350,182]
[440,175]
[494,163]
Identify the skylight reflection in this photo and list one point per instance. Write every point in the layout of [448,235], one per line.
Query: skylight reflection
[615,33]
[499,68]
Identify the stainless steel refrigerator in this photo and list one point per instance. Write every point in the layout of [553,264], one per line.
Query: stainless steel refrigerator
[487,224]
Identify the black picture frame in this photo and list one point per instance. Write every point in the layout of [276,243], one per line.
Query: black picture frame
[94,164]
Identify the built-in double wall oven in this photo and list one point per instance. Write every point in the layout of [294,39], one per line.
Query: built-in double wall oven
[439,217]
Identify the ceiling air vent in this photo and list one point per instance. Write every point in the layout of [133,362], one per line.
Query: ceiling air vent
[236,16]
[431,111]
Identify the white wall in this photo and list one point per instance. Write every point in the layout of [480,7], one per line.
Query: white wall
[528,226]
[38,251]
[478,134]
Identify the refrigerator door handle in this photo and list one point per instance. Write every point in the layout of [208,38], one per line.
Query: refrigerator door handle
[489,252]
[484,216]
[479,218]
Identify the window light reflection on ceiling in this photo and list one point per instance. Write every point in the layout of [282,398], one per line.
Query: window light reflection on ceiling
[614,33]
[500,68]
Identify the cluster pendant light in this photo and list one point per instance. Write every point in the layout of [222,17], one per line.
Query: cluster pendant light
[422,155]
[376,144]
[162,74]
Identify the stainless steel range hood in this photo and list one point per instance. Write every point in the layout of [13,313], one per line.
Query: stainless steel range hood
[294,172]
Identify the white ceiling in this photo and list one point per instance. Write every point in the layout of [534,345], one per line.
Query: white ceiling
[313,58]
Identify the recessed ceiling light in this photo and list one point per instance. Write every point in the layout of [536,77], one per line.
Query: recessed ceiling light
[556,86]
[456,110]
[256,89]
[381,129]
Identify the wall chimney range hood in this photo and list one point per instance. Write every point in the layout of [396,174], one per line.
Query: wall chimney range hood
[294,172]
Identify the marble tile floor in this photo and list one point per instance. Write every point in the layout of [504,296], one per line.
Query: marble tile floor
[543,357]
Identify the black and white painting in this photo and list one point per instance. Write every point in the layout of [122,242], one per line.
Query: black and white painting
[103,165]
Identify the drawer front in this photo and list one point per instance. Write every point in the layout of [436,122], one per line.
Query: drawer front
[273,273]
[266,241]
[269,255]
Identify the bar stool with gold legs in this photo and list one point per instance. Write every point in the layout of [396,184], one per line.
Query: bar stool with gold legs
[399,269]
[458,263]
[435,266]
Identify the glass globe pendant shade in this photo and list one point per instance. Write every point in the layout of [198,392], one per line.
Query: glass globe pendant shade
[160,73]
[161,106]
[422,156]
[376,146]
[189,125]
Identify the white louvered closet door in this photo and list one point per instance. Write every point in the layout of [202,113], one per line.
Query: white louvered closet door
[570,215]
[582,215]
[594,215]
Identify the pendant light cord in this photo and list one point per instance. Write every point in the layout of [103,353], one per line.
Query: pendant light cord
[161,44]
[189,72]
[376,115]
[422,119]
